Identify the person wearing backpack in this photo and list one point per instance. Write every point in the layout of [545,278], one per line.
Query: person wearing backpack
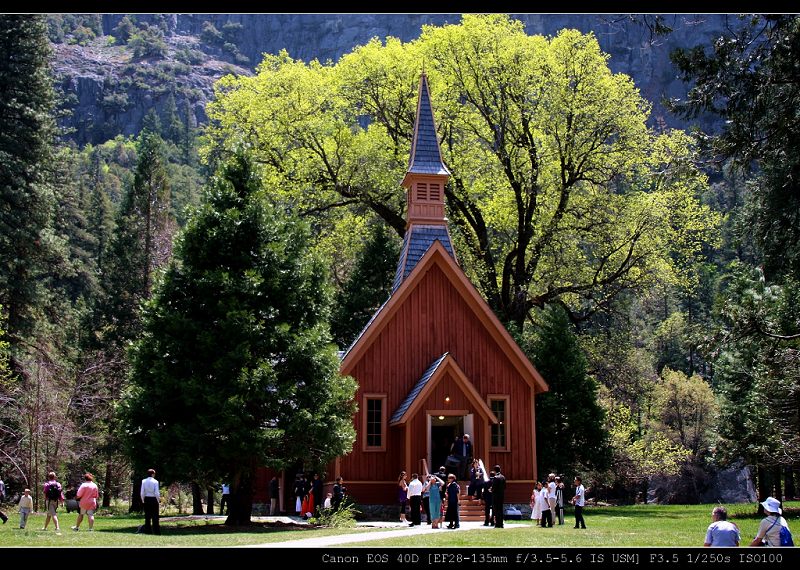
[773,529]
[52,495]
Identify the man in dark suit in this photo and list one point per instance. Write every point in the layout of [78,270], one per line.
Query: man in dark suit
[462,449]
[498,496]
[338,493]
[274,491]
[316,490]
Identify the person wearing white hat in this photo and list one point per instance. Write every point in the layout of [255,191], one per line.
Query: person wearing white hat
[769,530]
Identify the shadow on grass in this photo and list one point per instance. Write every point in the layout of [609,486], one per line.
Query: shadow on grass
[208,528]
[735,511]
[628,512]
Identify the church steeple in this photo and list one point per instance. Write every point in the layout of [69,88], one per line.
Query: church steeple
[424,182]
[427,174]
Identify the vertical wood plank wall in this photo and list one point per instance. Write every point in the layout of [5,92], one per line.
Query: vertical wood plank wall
[433,320]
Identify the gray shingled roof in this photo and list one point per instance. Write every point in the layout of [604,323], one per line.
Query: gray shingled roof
[426,157]
[418,240]
[398,414]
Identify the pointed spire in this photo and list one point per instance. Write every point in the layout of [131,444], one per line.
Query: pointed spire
[425,184]
[426,156]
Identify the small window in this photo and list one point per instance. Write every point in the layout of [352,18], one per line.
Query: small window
[422,191]
[435,193]
[374,417]
[374,426]
[499,407]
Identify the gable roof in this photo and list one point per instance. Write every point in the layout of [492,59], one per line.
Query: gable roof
[432,376]
[426,157]
[439,256]
[416,242]
[415,391]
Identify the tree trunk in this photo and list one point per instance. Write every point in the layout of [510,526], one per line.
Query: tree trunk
[137,506]
[763,492]
[241,499]
[197,500]
[777,487]
[791,490]
[210,504]
[107,486]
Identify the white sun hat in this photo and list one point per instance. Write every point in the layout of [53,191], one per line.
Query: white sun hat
[772,505]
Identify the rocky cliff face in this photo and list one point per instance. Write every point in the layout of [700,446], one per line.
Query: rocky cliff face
[110,91]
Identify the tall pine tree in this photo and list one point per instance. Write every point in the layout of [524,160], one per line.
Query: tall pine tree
[367,286]
[235,368]
[141,243]
[569,422]
[26,145]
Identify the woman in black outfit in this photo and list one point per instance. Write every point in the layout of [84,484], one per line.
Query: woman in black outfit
[453,490]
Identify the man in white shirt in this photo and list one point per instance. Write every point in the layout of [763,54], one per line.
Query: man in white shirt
[547,516]
[150,497]
[415,496]
[579,500]
[226,497]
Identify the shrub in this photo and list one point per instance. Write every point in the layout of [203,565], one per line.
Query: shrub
[345,517]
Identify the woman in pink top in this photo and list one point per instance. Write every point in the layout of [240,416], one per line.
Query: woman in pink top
[87,497]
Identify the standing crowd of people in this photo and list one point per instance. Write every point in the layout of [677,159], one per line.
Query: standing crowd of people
[547,502]
[308,497]
[436,494]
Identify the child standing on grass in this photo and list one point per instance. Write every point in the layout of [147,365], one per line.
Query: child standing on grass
[25,507]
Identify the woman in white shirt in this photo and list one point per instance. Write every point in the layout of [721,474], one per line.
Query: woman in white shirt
[769,530]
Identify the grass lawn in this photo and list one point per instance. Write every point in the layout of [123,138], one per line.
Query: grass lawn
[638,525]
[635,525]
[120,530]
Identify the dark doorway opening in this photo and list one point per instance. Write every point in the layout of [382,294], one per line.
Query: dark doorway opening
[444,430]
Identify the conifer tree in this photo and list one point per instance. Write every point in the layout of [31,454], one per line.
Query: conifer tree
[570,432]
[367,287]
[26,145]
[235,368]
[141,243]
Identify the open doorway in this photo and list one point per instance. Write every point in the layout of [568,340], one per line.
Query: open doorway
[444,430]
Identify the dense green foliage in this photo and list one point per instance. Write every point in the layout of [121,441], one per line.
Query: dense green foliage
[559,192]
[625,264]
[750,78]
[570,424]
[27,131]
[234,368]
[74,228]
[367,286]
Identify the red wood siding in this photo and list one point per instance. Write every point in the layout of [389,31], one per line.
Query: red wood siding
[435,319]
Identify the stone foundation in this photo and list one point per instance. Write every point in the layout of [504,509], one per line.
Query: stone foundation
[383,512]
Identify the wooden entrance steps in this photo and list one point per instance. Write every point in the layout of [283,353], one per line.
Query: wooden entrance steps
[470,509]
